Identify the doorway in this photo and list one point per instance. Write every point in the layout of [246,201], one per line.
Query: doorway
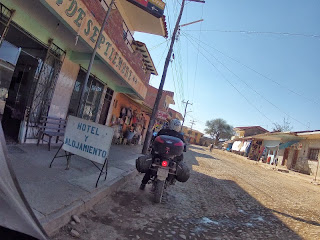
[25,56]
[31,84]
[106,106]
[285,157]
[16,102]
[295,158]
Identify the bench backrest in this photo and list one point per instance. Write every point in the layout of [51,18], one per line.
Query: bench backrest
[53,123]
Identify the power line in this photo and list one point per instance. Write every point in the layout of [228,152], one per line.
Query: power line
[262,75]
[158,45]
[234,86]
[255,90]
[260,32]
[195,72]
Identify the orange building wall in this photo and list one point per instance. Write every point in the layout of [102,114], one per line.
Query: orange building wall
[121,101]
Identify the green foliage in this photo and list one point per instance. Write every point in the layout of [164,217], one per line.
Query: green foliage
[219,128]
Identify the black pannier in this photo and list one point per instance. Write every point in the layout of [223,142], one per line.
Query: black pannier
[183,172]
[143,163]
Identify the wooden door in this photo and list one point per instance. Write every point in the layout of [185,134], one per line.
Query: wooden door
[285,156]
[295,158]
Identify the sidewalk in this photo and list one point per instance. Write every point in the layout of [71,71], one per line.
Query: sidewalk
[55,193]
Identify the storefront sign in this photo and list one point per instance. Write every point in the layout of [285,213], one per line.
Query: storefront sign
[87,139]
[162,115]
[154,7]
[76,15]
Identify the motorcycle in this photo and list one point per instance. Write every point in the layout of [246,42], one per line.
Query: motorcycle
[165,167]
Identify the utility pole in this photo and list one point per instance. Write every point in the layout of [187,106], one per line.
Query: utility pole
[193,122]
[92,58]
[185,111]
[163,78]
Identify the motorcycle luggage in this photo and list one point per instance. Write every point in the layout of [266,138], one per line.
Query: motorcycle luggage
[183,172]
[168,146]
[143,163]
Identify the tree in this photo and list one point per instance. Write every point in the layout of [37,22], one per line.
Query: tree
[218,128]
[284,127]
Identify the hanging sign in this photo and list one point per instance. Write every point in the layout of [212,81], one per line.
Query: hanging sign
[87,139]
[162,115]
[154,7]
[75,14]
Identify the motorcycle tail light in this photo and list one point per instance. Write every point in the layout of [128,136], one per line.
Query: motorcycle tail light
[164,163]
[179,144]
[159,139]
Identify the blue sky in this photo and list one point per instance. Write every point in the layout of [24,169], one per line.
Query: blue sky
[245,78]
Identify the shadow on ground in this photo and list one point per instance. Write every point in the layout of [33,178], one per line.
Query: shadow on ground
[204,207]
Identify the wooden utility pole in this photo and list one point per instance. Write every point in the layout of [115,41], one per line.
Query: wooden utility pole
[82,100]
[163,78]
[193,122]
[185,112]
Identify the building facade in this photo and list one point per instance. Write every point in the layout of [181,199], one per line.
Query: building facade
[192,136]
[45,50]
[162,116]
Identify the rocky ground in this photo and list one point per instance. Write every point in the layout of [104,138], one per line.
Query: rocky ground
[227,197]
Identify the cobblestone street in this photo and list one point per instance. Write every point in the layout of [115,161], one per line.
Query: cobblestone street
[226,197]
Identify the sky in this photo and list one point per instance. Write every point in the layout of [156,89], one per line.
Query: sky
[249,62]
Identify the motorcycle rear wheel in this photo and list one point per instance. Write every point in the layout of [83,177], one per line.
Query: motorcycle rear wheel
[159,191]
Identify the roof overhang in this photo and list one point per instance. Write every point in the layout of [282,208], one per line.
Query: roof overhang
[145,107]
[147,60]
[277,136]
[310,135]
[140,20]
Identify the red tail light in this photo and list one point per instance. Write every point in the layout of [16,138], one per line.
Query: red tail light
[179,144]
[159,139]
[164,163]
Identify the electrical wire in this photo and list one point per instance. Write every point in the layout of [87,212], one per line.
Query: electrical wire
[254,89]
[260,32]
[233,86]
[262,75]
[195,72]
[158,45]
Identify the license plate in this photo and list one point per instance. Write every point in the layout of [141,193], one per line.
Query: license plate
[162,173]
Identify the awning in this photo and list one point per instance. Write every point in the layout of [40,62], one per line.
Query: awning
[140,20]
[287,144]
[271,143]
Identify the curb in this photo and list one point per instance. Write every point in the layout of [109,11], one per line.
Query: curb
[53,222]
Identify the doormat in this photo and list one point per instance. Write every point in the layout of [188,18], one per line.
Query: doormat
[14,150]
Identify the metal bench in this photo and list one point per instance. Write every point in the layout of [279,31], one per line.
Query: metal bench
[51,127]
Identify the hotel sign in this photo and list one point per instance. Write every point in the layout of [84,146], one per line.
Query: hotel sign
[154,7]
[87,139]
[76,16]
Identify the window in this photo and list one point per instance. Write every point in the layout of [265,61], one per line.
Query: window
[92,97]
[313,153]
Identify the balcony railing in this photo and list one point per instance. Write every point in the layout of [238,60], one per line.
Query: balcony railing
[5,12]
[126,34]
